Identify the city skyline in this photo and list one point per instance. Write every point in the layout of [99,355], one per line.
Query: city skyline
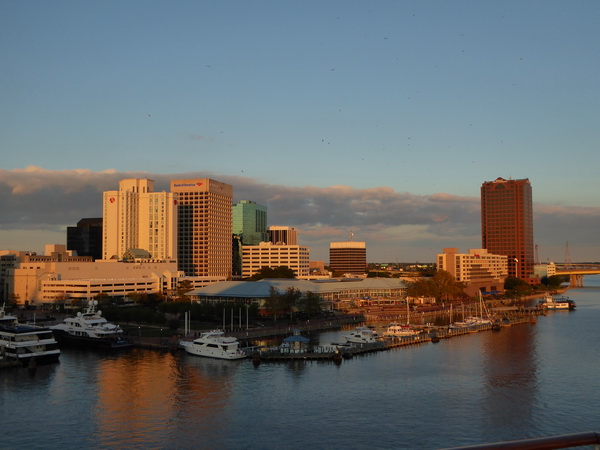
[396,226]
[377,119]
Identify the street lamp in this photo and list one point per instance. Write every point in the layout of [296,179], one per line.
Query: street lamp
[516,268]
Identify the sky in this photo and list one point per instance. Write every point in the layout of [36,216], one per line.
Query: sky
[377,118]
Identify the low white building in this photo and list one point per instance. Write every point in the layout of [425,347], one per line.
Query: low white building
[47,282]
[478,269]
[267,254]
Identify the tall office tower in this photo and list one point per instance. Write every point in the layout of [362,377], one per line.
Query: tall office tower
[283,235]
[507,223]
[205,228]
[348,257]
[250,222]
[137,217]
[86,238]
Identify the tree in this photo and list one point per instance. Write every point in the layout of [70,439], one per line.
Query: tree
[442,285]
[310,304]
[269,272]
[183,288]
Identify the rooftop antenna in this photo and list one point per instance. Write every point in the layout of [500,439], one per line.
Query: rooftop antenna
[537,254]
[351,235]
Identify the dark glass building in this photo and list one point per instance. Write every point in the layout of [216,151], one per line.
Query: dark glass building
[86,238]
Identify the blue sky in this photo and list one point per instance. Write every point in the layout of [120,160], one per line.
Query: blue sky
[399,102]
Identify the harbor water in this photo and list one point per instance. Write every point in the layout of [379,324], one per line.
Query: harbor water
[524,381]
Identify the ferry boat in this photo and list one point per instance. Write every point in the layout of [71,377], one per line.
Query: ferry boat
[26,343]
[360,335]
[560,303]
[90,329]
[213,344]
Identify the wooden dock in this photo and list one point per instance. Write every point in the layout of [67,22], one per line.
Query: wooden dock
[338,352]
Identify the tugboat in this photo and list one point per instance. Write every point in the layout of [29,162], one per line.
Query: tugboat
[90,329]
[27,344]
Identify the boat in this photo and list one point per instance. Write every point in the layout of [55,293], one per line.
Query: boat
[360,335]
[560,303]
[214,344]
[90,329]
[398,330]
[28,344]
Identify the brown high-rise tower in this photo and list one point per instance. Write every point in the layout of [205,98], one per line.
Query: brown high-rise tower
[507,223]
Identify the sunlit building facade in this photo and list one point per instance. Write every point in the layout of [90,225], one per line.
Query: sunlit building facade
[136,217]
[348,257]
[478,269]
[204,226]
[507,223]
[267,254]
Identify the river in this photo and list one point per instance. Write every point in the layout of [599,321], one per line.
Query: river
[524,381]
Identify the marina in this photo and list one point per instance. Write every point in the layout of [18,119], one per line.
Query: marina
[518,381]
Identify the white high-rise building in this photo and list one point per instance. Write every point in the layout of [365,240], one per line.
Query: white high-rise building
[137,217]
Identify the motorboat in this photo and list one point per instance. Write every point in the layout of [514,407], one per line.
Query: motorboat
[560,303]
[214,344]
[26,343]
[360,335]
[399,330]
[90,329]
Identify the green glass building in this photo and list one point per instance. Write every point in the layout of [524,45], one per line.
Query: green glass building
[250,222]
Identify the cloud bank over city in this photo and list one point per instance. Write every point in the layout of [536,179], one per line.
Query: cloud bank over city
[39,204]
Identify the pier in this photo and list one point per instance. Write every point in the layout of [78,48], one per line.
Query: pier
[337,352]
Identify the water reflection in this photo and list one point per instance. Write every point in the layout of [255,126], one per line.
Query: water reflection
[150,396]
[510,378]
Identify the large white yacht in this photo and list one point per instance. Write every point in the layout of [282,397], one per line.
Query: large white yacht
[213,344]
[360,335]
[24,342]
[90,329]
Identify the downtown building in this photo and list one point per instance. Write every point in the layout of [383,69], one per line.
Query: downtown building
[348,257]
[267,254]
[283,235]
[136,217]
[204,234]
[249,222]
[507,224]
[479,270]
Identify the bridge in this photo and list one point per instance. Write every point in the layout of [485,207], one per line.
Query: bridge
[576,272]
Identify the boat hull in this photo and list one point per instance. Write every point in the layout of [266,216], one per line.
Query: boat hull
[112,343]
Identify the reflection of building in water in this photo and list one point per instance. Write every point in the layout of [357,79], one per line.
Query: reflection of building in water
[510,376]
[144,390]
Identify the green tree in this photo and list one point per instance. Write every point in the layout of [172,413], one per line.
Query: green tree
[183,288]
[269,272]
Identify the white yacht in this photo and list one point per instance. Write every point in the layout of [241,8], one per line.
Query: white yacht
[360,335]
[398,330]
[24,342]
[90,329]
[213,344]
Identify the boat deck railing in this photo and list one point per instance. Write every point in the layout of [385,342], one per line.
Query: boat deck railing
[590,438]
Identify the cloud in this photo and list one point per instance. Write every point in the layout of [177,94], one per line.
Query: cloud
[395,225]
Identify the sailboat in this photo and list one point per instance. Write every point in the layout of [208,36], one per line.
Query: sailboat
[397,330]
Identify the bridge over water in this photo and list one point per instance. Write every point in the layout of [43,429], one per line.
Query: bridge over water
[576,272]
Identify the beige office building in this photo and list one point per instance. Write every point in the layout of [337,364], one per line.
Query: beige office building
[478,269]
[267,254]
[136,217]
[204,226]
